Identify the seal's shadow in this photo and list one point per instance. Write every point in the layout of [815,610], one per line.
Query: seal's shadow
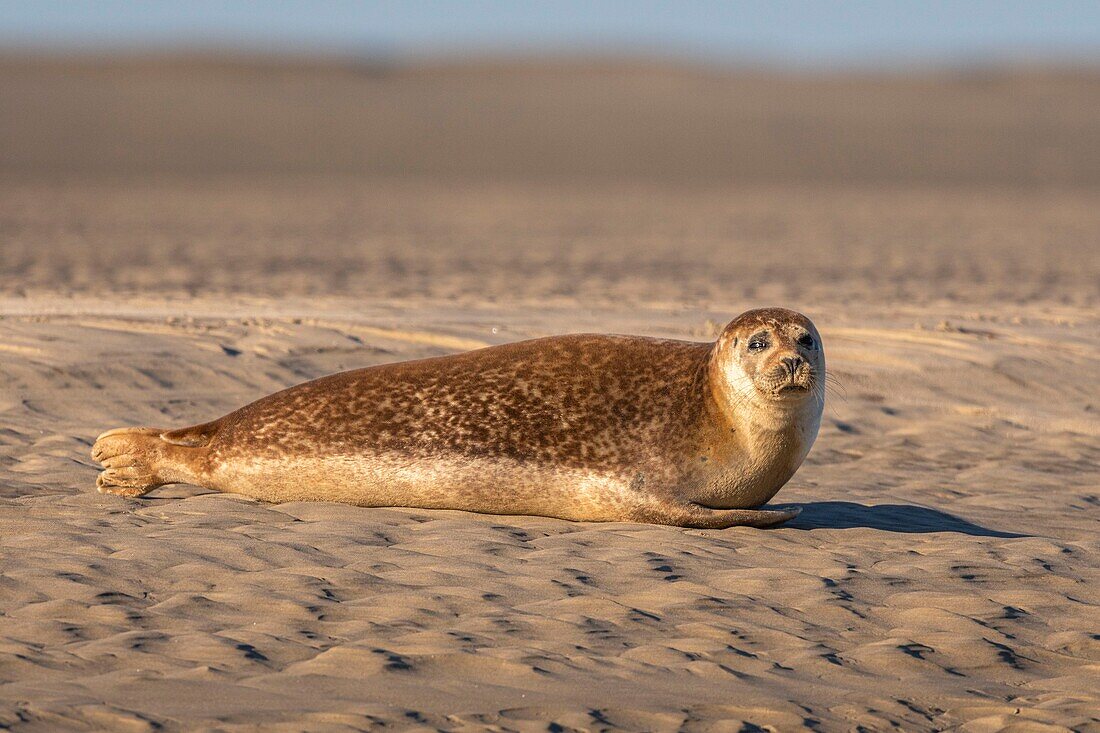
[906,518]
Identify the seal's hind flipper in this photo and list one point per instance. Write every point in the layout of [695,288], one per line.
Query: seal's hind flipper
[130,458]
[138,460]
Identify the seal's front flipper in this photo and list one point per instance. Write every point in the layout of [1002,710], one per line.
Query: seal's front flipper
[761,518]
[697,516]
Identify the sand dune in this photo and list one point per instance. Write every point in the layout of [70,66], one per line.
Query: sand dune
[943,573]
[532,242]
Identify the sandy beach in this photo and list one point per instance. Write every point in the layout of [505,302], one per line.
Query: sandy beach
[944,573]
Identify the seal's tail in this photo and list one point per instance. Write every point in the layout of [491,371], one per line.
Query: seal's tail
[138,460]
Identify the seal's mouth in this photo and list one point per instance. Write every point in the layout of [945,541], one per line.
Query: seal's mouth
[788,389]
[789,381]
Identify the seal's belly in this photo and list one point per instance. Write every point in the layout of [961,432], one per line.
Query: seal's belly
[490,484]
[487,485]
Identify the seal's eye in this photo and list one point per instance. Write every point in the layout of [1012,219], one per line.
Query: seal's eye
[758,344]
[806,340]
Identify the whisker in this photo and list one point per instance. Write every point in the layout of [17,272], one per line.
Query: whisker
[835,387]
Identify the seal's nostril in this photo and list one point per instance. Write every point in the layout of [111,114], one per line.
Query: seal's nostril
[792,363]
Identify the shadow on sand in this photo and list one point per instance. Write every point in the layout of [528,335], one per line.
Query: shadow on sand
[907,518]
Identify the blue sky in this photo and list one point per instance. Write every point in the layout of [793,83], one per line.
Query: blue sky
[781,31]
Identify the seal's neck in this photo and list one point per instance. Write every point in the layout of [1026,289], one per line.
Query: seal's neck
[768,429]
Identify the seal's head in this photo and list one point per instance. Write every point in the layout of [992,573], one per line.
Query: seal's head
[772,355]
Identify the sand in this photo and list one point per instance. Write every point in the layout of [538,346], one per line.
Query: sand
[945,571]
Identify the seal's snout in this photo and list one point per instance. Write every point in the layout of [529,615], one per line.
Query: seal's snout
[790,375]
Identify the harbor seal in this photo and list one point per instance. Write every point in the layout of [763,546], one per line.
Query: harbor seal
[582,427]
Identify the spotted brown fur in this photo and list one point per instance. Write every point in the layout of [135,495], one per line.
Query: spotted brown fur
[587,427]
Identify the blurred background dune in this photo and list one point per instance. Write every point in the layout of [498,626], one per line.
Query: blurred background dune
[549,119]
[698,162]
